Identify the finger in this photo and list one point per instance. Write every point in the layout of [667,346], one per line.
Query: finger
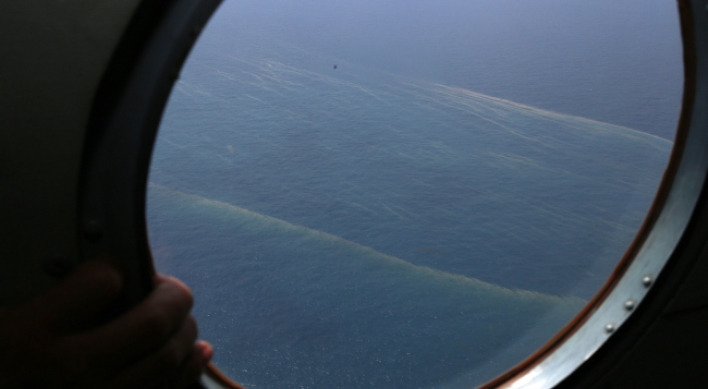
[162,365]
[191,370]
[206,351]
[79,297]
[145,328]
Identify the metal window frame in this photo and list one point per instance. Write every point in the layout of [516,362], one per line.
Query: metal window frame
[126,115]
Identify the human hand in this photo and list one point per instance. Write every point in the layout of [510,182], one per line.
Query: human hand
[44,344]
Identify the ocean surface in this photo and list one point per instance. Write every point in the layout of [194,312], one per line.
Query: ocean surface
[429,211]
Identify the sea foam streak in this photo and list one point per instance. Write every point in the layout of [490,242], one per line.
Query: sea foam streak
[256,221]
[337,312]
[497,186]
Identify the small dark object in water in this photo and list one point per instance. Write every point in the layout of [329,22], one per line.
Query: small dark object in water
[335,66]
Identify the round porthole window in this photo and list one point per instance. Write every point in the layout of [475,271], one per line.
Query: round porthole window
[408,194]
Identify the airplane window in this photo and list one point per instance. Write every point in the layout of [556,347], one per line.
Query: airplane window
[408,193]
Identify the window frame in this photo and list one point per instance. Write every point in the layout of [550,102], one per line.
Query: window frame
[124,122]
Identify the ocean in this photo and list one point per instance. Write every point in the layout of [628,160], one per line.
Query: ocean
[407,194]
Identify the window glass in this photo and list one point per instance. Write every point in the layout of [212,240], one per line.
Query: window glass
[399,194]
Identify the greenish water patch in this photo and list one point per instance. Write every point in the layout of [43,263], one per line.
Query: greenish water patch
[291,306]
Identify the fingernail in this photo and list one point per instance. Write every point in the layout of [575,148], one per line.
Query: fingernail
[206,351]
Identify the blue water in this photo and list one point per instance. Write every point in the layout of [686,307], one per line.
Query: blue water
[429,212]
